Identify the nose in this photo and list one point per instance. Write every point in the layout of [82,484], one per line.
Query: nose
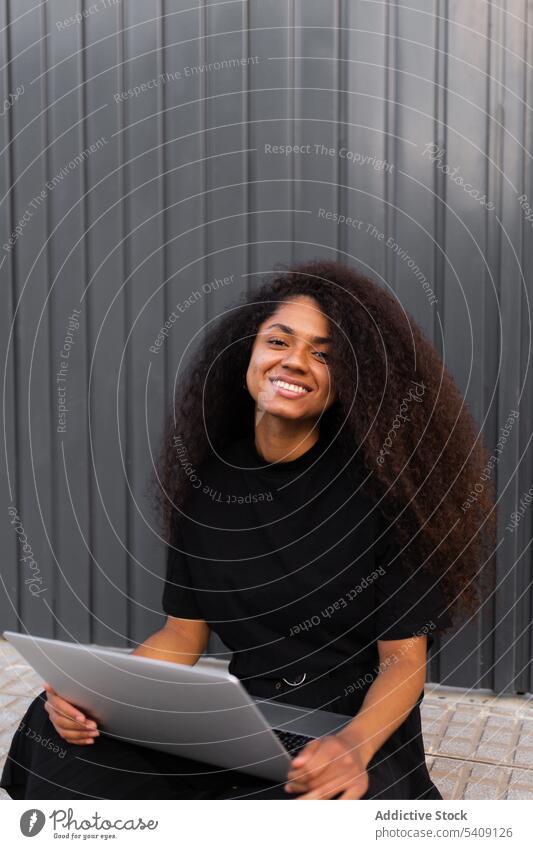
[294,360]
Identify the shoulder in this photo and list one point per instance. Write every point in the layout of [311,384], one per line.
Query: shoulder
[218,469]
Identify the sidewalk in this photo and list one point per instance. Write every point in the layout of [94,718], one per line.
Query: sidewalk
[478,746]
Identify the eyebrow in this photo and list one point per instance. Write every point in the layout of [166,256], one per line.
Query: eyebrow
[317,340]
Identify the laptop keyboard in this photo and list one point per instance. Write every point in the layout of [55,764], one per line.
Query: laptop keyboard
[292,742]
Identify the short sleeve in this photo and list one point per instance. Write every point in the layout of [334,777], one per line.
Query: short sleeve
[179,597]
[408,601]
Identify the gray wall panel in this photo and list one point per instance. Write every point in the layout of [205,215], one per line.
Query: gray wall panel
[366,112]
[8,541]
[183,190]
[467,292]
[511,650]
[270,109]
[184,152]
[411,190]
[315,126]
[64,80]
[104,304]
[226,164]
[525,531]
[35,393]
[144,306]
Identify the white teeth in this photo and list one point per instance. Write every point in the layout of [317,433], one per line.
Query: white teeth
[292,386]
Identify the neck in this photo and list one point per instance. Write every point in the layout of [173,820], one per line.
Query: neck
[278,440]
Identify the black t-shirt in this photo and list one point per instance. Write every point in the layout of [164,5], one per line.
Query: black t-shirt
[293,566]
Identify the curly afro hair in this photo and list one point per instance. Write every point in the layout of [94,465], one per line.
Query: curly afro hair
[421,473]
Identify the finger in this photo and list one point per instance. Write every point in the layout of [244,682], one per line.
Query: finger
[297,773]
[65,708]
[72,737]
[79,735]
[61,719]
[298,777]
[314,782]
[298,784]
[305,779]
[311,761]
[67,723]
[317,761]
[50,693]
[70,712]
[353,793]
[340,784]
[302,780]
[296,787]
[306,752]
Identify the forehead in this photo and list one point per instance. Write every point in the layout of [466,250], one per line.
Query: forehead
[301,314]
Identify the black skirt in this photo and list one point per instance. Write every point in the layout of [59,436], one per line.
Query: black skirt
[41,765]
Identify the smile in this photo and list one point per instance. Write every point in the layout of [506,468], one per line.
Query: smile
[290,389]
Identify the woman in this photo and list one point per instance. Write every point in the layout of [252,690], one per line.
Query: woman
[311,487]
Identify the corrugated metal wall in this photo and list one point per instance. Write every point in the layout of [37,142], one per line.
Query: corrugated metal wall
[138,163]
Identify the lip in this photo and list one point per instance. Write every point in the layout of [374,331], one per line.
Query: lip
[291,380]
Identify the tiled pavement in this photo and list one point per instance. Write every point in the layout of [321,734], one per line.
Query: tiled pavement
[478,746]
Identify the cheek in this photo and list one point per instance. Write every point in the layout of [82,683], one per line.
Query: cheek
[323,380]
[254,375]
[260,362]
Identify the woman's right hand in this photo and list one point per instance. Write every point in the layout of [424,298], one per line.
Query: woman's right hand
[69,721]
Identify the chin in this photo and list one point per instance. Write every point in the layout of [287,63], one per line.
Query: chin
[282,412]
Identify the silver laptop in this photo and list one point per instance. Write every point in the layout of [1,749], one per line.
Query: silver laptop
[200,712]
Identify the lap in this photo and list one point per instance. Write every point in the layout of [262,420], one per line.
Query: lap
[41,765]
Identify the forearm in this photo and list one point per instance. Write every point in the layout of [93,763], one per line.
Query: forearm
[169,646]
[388,702]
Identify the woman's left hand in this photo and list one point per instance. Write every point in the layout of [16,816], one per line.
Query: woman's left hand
[327,767]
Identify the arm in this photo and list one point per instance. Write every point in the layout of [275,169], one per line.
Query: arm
[392,695]
[178,641]
[338,763]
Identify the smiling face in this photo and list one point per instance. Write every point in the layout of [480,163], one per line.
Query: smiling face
[288,374]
